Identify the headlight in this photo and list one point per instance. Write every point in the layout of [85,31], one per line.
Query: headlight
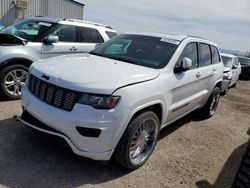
[99,101]
[225,76]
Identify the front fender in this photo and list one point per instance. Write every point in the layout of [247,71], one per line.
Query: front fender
[13,60]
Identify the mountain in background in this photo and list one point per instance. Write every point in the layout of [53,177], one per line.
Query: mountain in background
[235,52]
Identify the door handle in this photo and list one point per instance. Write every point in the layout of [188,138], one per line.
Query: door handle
[198,74]
[214,69]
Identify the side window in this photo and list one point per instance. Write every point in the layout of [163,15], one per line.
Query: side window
[205,55]
[65,33]
[190,51]
[110,34]
[89,35]
[215,54]
[236,61]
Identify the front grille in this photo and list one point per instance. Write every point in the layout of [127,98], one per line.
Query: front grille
[52,94]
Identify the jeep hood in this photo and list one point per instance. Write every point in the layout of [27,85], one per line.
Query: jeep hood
[11,40]
[90,73]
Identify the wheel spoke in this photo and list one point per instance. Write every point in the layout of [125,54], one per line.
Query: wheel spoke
[16,90]
[143,141]
[23,76]
[9,83]
[14,74]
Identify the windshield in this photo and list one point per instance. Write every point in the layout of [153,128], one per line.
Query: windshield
[227,61]
[244,60]
[27,29]
[146,51]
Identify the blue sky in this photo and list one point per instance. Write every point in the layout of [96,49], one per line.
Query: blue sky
[226,22]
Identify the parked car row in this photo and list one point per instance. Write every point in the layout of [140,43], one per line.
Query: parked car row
[114,100]
[37,38]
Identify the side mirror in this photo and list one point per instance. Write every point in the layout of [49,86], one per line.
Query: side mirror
[186,64]
[51,39]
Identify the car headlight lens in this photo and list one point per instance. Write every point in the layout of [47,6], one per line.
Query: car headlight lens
[99,101]
[225,76]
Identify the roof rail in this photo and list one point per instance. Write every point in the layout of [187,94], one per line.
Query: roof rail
[196,37]
[87,22]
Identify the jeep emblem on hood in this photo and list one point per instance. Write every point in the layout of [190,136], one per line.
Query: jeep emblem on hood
[45,77]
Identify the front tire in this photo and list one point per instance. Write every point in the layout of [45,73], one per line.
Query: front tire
[211,105]
[138,141]
[12,78]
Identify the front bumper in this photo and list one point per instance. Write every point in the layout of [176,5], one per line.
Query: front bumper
[225,84]
[112,124]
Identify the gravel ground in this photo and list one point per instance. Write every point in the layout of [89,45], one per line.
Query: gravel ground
[190,153]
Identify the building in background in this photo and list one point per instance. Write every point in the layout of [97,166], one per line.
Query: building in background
[13,10]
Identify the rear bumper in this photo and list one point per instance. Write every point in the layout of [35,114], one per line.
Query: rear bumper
[31,122]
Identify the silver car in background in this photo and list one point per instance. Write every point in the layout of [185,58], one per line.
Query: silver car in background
[232,70]
[41,37]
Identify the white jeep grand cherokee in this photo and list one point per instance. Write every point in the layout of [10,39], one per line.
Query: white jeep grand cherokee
[115,100]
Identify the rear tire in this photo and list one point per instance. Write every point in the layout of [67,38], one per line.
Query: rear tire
[12,78]
[211,105]
[138,141]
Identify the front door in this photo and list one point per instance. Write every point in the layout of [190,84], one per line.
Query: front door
[67,43]
[190,86]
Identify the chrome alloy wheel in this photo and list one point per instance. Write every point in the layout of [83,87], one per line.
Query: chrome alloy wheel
[143,141]
[14,81]
[214,103]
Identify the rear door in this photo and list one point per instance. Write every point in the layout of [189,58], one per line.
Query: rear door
[217,67]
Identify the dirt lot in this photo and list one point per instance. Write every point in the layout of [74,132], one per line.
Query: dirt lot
[190,153]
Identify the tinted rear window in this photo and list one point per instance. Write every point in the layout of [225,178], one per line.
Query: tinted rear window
[215,55]
[89,35]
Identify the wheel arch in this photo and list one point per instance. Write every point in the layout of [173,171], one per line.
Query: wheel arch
[156,107]
[16,61]
[218,84]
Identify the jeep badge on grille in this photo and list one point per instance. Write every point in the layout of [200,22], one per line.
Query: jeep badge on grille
[44,76]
